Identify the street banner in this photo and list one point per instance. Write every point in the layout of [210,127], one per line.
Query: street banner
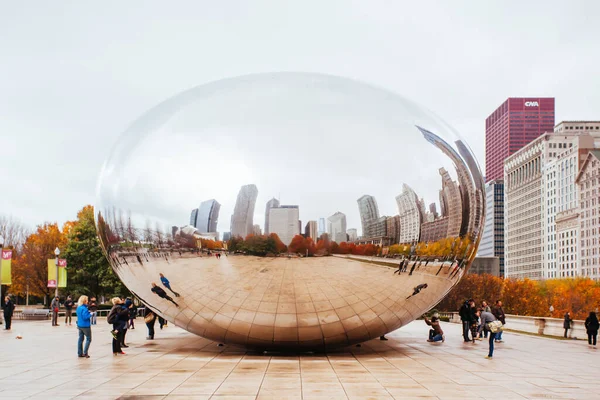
[62,273]
[51,273]
[6,273]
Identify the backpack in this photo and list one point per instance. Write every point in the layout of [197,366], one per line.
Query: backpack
[112,315]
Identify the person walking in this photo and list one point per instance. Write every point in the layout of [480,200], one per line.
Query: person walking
[84,327]
[68,304]
[567,323]
[160,292]
[150,320]
[436,333]
[93,308]
[486,318]
[498,312]
[167,284]
[465,317]
[591,326]
[55,306]
[9,309]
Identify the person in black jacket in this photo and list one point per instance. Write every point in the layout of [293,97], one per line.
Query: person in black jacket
[161,293]
[498,312]
[567,323]
[9,308]
[592,325]
[466,318]
[150,319]
[69,303]
[118,317]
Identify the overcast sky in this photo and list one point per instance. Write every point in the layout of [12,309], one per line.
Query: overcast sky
[74,75]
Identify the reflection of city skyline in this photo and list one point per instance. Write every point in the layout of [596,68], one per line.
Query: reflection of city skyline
[460,212]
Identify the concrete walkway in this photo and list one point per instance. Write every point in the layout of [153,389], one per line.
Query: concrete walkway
[179,365]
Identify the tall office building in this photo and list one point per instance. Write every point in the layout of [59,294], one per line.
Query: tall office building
[588,182]
[208,216]
[492,239]
[311,231]
[193,217]
[513,125]
[541,202]
[336,227]
[322,227]
[273,203]
[453,204]
[352,234]
[369,214]
[393,229]
[410,215]
[283,221]
[243,213]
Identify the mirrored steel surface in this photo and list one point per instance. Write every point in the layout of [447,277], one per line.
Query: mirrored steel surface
[244,156]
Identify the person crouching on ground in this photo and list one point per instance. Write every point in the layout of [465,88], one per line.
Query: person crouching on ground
[436,333]
[83,326]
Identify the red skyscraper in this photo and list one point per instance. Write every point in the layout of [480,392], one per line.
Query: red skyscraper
[514,124]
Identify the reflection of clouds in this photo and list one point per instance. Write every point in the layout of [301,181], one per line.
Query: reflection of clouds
[320,142]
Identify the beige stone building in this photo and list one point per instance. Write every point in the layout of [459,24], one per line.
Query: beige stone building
[588,183]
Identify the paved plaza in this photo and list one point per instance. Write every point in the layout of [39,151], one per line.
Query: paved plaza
[178,365]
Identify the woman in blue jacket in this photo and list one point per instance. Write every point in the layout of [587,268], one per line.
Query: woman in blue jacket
[84,327]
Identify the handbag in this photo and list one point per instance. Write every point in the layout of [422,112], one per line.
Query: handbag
[495,326]
[149,317]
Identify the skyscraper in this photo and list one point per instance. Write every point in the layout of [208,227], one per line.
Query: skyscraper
[410,216]
[311,231]
[322,227]
[352,234]
[511,126]
[369,213]
[453,204]
[492,239]
[337,227]
[283,221]
[208,216]
[243,213]
[193,217]
[273,203]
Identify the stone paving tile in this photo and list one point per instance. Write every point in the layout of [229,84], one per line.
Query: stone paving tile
[178,365]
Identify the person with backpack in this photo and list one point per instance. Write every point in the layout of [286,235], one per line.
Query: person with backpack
[498,312]
[592,325]
[486,318]
[68,309]
[118,318]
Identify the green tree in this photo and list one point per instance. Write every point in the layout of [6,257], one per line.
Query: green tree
[88,269]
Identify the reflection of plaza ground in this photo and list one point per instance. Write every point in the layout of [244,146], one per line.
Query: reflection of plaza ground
[179,365]
[264,302]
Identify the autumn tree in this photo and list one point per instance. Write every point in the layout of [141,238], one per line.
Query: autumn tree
[32,263]
[302,245]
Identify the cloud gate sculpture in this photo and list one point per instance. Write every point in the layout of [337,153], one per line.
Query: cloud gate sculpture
[290,210]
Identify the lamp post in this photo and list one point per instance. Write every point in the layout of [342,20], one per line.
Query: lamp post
[56,253]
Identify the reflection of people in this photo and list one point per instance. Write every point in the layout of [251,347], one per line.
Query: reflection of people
[9,308]
[382,337]
[166,284]
[417,289]
[412,268]
[84,327]
[162,294]
[55,305]
[592,326]
[567,323]
[436,333]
